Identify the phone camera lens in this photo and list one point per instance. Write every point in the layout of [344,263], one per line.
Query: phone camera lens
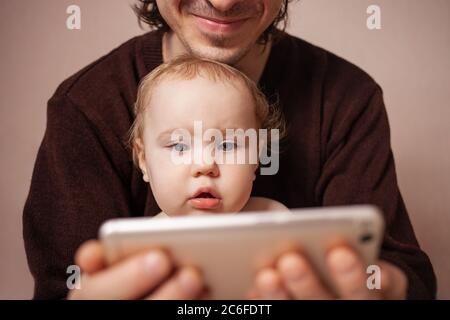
[366,238]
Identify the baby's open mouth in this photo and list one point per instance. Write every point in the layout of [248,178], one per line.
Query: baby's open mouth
[204,195]
[205,199]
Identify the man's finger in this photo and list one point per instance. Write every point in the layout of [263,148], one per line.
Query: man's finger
[300,279]
[394,283]
[269,285]
[128,279]
[186,284]
[348,274]
[90,257]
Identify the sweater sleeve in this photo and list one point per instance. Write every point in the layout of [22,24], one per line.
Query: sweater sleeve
[359,168]
[74,188]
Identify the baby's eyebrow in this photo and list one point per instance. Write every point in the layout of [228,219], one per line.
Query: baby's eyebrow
[166,134]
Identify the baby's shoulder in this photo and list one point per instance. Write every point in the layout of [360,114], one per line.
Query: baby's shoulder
[264,204]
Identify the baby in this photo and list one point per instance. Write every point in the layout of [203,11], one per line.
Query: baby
[194,137]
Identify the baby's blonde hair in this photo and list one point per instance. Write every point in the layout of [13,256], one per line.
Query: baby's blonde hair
[187,68]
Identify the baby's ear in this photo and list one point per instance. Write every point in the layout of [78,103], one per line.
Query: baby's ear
[140,157]
[254,171]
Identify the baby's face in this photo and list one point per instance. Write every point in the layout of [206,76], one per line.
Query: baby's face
[182,167]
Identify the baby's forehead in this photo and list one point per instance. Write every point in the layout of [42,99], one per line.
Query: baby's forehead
[217,104]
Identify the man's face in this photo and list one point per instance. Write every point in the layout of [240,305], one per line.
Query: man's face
[221,30]
[169,124]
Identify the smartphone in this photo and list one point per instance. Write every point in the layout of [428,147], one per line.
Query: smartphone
[230,248]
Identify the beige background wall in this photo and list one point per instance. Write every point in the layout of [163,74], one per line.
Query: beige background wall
[409,57]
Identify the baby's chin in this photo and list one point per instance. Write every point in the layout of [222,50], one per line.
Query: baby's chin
[206,212]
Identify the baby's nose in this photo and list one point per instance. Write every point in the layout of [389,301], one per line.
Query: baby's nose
[208,168]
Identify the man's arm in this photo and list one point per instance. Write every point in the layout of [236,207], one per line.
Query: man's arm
[74,188]
[359,168]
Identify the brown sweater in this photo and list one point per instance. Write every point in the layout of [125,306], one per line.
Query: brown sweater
[337,152]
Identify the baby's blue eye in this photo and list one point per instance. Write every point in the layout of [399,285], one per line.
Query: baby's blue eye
[180,147]
[226,146]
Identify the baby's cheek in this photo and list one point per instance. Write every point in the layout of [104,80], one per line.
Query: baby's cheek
[168,188]
[237,185]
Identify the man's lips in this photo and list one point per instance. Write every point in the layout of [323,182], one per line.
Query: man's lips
[219,25]
[221,20]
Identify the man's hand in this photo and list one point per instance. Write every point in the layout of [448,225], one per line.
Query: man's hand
[145,276]
[293,277]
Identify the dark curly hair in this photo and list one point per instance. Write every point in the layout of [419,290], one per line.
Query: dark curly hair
[148,12]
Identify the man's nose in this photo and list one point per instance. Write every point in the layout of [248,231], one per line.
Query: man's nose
[208,168]
[223,5]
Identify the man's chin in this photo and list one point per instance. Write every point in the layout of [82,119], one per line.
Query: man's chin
[230,56]
[221,51]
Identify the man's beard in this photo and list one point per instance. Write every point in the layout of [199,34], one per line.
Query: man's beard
[219,43]
[218,50]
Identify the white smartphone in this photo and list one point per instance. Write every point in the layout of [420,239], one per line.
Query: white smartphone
[230,248]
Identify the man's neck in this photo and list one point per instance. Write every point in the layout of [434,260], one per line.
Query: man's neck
[252,64]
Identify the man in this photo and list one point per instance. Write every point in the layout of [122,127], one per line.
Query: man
[337,152]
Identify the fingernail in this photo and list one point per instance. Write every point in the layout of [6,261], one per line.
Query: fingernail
[188,281]
[153,262]
[343,260]
[293,268]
